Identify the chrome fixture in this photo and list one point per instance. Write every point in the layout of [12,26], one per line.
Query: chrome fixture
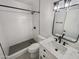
[56,5]
[61,37]
[71,40]
[67,3]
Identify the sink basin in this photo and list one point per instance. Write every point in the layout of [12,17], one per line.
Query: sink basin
[63,52]
[58,47]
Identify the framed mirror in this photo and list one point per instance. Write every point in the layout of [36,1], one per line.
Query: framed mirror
[59,19]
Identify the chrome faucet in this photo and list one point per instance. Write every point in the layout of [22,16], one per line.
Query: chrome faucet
[61,37]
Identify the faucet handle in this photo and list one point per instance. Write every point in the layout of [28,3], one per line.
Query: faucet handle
[63,35]
[60,41]
[56,39]
[64,43]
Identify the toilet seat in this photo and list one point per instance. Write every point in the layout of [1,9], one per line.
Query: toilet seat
[33,48]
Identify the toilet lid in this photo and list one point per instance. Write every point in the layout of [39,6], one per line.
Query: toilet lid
[34,47]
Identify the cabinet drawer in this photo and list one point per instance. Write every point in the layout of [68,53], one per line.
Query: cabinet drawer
[45,54]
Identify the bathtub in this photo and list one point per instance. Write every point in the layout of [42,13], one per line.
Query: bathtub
[22,50]
[17,54]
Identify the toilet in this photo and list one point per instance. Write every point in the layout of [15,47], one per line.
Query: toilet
[34,50]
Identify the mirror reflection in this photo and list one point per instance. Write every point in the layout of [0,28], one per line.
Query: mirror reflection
[72,22]
[59,21]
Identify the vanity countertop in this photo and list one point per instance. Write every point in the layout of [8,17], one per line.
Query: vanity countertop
[48,45]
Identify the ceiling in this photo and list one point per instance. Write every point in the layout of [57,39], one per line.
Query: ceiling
[26,1]
[30,1]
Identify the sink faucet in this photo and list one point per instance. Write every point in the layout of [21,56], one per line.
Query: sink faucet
[60,37]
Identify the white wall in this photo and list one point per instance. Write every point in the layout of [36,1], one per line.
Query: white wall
[46,17]
[36,18]
[36,5]
[3,40]
[15,25]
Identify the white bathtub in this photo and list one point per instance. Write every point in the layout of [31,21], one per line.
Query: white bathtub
[17,54]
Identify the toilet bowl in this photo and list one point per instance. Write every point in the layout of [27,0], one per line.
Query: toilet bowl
[34,50]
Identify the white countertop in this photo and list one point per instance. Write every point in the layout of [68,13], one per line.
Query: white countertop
[46,43]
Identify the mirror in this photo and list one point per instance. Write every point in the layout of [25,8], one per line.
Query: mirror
[59,19]
[72,22]
[67,19]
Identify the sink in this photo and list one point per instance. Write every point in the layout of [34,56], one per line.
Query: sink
[59,47]
[54,46]
[61,51]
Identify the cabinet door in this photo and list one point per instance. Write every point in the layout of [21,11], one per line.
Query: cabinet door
[1,54]
[51,56]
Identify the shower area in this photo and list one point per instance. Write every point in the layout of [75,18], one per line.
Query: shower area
[17,27]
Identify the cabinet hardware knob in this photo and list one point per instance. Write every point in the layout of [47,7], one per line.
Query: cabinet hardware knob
[64,43]
[56,49]
[43,55]
[34,27]
[56,39]
[44,50]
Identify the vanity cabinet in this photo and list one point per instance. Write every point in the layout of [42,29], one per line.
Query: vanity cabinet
[45,54]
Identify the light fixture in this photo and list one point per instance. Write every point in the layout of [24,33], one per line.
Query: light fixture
[56,6]
[67,3]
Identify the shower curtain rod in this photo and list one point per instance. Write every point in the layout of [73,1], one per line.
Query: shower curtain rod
[19,8]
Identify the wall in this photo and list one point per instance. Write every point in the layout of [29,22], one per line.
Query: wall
[36,24]
[46,17]
[36,19]
[36,5]
[3,40]
[15,25]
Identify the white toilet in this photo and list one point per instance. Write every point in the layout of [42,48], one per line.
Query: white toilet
[34,50]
